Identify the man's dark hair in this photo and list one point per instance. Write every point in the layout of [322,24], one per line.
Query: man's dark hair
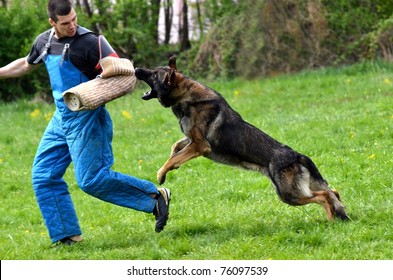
[58,8]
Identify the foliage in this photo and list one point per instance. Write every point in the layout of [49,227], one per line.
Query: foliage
[267,37]
[377,43]
[350,21]
[237,39]
[130,27]
[25,20]
[215,10]
[276,36]
[341,118]
[127,26]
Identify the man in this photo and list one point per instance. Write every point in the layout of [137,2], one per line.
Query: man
[71,55]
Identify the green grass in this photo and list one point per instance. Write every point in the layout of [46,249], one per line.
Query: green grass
[341,118]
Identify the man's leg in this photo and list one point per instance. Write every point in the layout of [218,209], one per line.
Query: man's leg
[90,143]
[50,163]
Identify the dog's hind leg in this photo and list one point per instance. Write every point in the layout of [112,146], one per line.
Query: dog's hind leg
[329,202]
[320,197]
[296,186]
[332,197]
[338,207]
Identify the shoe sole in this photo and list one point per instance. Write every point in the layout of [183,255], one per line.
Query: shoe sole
[167,195]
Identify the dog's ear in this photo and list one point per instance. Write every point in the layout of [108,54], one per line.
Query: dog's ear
[172,62]
[170,78]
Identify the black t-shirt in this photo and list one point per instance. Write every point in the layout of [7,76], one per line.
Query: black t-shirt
[83,52]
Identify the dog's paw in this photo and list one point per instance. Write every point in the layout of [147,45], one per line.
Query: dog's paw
[161,175]
[161,179]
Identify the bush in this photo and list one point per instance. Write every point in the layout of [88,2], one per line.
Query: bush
[25,21]
[276,36]
[267,37]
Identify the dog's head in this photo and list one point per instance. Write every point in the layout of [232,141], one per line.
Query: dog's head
[162,81]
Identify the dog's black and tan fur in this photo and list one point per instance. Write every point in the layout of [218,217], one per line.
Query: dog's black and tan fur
[214,130]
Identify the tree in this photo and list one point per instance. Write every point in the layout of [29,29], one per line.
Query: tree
[268,36]
[168,17]
[201,28]
[25,20]
[183,28]
[280,36]
[155,15]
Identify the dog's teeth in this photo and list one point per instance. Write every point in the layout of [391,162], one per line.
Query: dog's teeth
[146,96]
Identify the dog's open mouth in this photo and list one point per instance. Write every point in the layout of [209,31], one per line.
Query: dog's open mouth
[145,75]
[150,94]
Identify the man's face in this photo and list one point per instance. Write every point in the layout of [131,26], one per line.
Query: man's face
[66,25]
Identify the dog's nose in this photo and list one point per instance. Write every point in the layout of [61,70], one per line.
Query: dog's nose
[141,73]
[138,72]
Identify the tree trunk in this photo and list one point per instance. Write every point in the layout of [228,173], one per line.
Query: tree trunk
[168,16]
[155,11]
[87,8]
[183,28]
[86,5]
[199,18]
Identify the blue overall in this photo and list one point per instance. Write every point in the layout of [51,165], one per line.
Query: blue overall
[85,138]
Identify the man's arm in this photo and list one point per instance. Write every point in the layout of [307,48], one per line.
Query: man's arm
[17,68]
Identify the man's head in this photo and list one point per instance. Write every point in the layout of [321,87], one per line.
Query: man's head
[62,17]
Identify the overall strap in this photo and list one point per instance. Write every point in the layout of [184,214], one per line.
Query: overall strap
[64,54]
[47,46]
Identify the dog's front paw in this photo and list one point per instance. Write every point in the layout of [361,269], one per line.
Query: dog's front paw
[161,175]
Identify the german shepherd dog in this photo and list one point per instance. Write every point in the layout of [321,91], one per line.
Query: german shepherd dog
[214,130]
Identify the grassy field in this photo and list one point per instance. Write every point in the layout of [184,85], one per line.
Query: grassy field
[341,118]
